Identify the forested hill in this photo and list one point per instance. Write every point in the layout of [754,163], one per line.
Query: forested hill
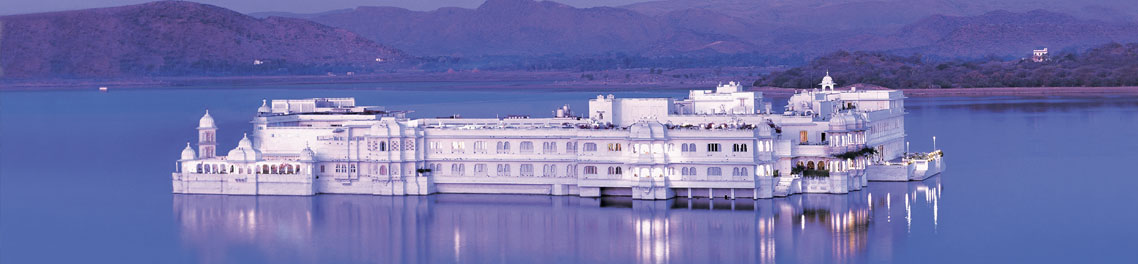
[177,38]
[1108,65]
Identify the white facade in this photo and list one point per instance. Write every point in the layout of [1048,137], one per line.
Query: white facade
[722,143]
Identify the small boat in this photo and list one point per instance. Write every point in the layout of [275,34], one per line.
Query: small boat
[103,89]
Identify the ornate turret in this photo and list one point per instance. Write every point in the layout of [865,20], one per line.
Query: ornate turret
[188,153]
[827,82]
[207,136]
[264,109]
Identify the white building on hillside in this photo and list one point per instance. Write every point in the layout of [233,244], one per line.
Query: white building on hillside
[721,143]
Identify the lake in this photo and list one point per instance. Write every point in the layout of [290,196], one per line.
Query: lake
[85,177]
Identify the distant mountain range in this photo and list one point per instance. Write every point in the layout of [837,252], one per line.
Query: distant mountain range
[661,28]
[185,38]
[176,38]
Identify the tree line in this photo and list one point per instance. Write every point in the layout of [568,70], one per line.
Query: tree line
[1108,65]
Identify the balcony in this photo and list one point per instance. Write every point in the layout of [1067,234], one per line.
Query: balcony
[809,151]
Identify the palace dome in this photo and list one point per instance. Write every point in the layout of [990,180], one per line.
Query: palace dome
[307,154]
[264,107]
[188,153]
[244,151]
[843,121]
[245,142]
[206,121]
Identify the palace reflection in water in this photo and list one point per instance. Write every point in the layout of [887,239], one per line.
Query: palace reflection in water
[862,226]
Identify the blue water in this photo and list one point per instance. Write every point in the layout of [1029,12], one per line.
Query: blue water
[84,177]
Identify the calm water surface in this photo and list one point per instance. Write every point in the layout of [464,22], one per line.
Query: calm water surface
[84,177]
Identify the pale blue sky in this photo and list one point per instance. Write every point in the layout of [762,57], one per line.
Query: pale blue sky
[10,7]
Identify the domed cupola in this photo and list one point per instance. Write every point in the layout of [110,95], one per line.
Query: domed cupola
[245,142]
[307,155]
[264,109]
[188,153]
[244,151]
[827,82]
[838,122]
[206,121]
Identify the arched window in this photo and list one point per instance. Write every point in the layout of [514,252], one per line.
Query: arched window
[503,169]
[714,171]
[382,146]
[590,170]
[382,169]
[821,165]
[230,168]
[199,168]
[618,170]
[480,169]
[273,169]
[735,171]
[810,165]
[590,147]
[265,169]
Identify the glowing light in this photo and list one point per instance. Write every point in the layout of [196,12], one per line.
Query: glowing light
[908,215]
[457,242]
[935,211]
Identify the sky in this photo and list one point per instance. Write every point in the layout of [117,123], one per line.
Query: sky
[11,7]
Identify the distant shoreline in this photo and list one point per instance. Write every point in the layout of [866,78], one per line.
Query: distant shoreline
[555,80]
[990,91]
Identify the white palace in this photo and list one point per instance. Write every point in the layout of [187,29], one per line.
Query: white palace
[721,143]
